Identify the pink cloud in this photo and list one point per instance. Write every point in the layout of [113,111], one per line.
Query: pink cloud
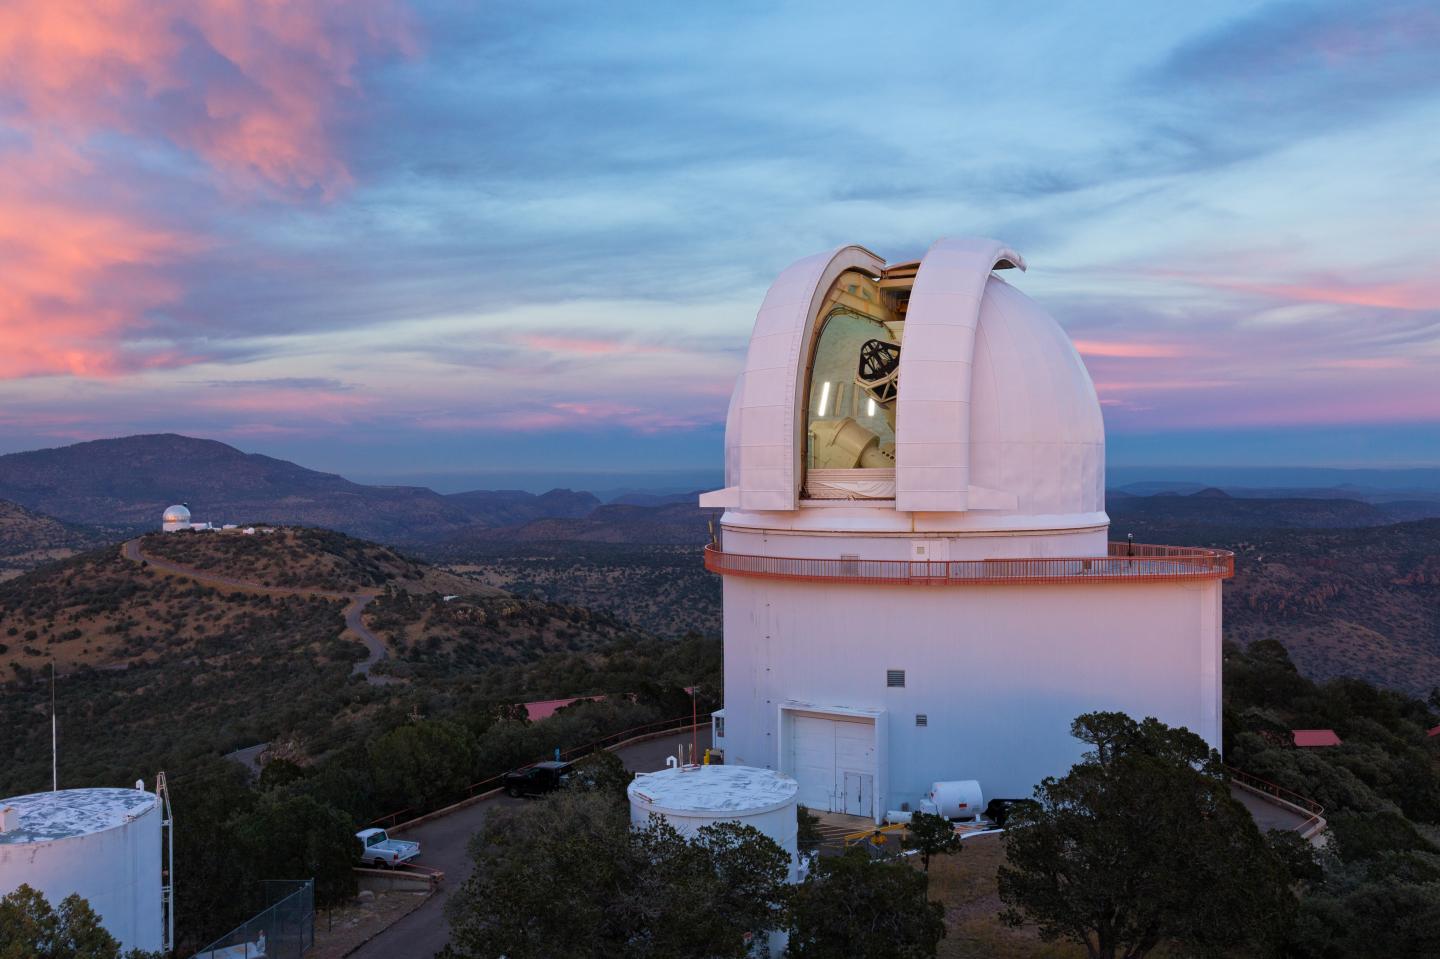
[1412,293]
[1121,349]
[253,91]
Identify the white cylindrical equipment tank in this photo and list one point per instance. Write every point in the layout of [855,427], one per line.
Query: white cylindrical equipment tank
[957,798]
[103,844]
[690,798]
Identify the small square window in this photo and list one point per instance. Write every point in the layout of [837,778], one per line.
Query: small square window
[921,719]
[894,677]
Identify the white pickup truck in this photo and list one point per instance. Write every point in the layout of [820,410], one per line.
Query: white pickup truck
[378,849]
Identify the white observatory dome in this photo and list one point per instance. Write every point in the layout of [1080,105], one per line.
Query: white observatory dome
[969,399]
[176,514]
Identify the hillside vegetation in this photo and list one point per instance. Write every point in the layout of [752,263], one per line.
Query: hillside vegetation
[304,558]
[156,671]
[664,590]
[160,670]
[29,539]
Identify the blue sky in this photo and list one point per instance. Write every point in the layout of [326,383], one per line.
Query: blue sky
[447,241]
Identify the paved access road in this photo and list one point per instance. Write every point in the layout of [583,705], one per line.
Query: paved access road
[443,842]
[354,608]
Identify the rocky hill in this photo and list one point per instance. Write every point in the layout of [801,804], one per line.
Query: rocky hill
[29,539]
[248,643]
[130,480]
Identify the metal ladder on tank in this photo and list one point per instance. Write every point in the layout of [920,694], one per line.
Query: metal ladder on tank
[167,872]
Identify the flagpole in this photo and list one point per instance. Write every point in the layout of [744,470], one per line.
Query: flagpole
[54,736]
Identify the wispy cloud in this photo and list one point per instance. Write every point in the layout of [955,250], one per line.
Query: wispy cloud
[299,222]
[118,109]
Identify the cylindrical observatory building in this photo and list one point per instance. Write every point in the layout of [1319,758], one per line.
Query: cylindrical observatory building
[919,581]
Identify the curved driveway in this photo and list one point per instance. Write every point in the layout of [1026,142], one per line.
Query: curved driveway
[443,846]
[354,608]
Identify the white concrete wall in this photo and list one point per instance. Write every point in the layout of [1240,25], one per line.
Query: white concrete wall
[116,870]
[1000,671]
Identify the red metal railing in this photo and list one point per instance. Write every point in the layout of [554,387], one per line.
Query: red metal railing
[1265,787]
[1125,562]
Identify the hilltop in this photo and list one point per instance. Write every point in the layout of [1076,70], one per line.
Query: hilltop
[128,481]
[303,557]
[158,667]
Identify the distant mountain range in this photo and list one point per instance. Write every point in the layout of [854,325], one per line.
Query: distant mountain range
[125,483]
[129,481]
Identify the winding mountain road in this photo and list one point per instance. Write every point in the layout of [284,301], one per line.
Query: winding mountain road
[354,608]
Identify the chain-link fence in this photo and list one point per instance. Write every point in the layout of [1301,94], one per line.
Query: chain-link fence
[285,930]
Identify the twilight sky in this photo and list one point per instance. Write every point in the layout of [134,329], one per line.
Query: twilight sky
[445,242]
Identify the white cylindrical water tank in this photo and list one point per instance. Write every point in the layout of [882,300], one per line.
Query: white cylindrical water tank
[103,844]
[957,799]
[692,797]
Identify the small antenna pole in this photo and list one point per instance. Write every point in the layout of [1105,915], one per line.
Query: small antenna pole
[54,736]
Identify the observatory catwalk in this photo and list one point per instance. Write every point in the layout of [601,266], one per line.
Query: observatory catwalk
[919,580]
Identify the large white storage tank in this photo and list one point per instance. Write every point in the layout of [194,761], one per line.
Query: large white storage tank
[690,798]
[103,844]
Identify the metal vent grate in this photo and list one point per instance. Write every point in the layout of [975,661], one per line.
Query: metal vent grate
[921,719]
[894,677]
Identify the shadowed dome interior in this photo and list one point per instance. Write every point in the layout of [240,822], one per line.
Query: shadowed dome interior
[176,514]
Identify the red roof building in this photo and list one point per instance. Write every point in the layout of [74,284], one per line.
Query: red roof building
[545,708]
[1315,737]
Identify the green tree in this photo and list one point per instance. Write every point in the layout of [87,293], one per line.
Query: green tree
[1139,844]
[280,772]
[295,837]
[931,834]
[422,764]
[568,876]
[31,929]
[852,905]
[602,771]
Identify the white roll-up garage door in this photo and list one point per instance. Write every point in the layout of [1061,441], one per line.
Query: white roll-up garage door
[834,762]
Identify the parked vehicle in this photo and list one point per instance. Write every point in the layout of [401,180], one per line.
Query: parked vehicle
[538,779]
[378,849]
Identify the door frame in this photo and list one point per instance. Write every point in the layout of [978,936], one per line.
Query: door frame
[787,711]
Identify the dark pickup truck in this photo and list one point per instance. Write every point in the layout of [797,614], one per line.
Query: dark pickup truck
[538,779]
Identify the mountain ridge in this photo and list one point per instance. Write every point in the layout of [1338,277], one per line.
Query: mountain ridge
[128,481]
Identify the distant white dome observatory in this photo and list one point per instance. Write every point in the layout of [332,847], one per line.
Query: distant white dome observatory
[104,844]
[919,584]
[690,798]
[175,518]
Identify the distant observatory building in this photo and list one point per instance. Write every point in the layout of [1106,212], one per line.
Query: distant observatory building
[918,583]
[177,518]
